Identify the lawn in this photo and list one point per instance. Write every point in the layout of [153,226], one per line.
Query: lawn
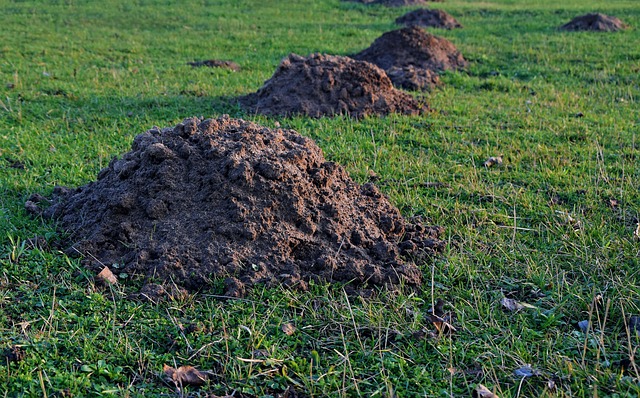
[552,227]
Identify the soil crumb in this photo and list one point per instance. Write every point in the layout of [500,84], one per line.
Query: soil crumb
[229,200]
[328,85]
[412,57]
[215,63]
[429,18]
[595,22]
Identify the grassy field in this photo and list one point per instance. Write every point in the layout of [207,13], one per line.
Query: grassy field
[552,227]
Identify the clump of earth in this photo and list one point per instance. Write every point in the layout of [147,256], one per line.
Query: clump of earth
[226,199]
[412,57]
[328,85]
[429,18]
[594,22]
[215,63]
[395,3]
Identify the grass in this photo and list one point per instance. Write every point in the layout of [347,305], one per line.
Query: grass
[552,227]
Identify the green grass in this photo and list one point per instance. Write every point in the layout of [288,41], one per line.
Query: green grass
[79,79]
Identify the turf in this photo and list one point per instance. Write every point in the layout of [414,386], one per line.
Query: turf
[553,226]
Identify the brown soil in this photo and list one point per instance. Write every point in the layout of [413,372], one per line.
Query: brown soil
[226,198]
[412,57]
[595,22]
[428,18]
[327,85]
[216,63]
[396,3]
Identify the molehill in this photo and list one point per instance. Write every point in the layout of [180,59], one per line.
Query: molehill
[412,57]
[329,85]
[226,199]
[428,18]
[594,22]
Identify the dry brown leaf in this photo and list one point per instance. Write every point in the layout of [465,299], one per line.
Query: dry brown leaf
[493,161]
[288,328]
[441,320]
[483,392]
[186,375]
[511,304]
[107,277]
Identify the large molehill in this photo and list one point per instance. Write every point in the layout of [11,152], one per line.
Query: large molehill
[226,199]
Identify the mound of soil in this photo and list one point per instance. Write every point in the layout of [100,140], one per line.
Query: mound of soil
[395,3]
[215,63]
[412,57]
[428,18]
[595,22]
[226,198]
[327,85]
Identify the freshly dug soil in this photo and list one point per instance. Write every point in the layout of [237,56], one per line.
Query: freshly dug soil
[328,85]
[395,3]
[412,57]
[428,18]
[595,22]
[215,63]
[226,198]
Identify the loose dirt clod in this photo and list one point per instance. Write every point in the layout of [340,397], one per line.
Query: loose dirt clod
[216,63]
[412,57]
[429,18]
[328,85]
[595,22]
[229,199]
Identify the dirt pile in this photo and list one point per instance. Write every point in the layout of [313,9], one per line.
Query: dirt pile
[395,3]
[594,22]
[226,198]
[429,18]
[215,63]
[327,85]
[412,57]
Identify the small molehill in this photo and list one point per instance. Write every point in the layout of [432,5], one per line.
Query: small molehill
[215,63]
[396,3]
[412,57]
[429,18]
[328,85]
[594,22]
[226,198]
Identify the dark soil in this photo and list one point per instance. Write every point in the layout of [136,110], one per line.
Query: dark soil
[216,63]
[428,18]
[412,57]
[595,22]
[225,198]
[395,3]
[328,85]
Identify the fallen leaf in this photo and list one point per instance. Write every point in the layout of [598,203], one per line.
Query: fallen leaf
[107,277]
[288,328]
[526,371]
[584,326]
[613,203]
[186,375]
[493,161]
[441,320]
[482,392]
[511,304]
